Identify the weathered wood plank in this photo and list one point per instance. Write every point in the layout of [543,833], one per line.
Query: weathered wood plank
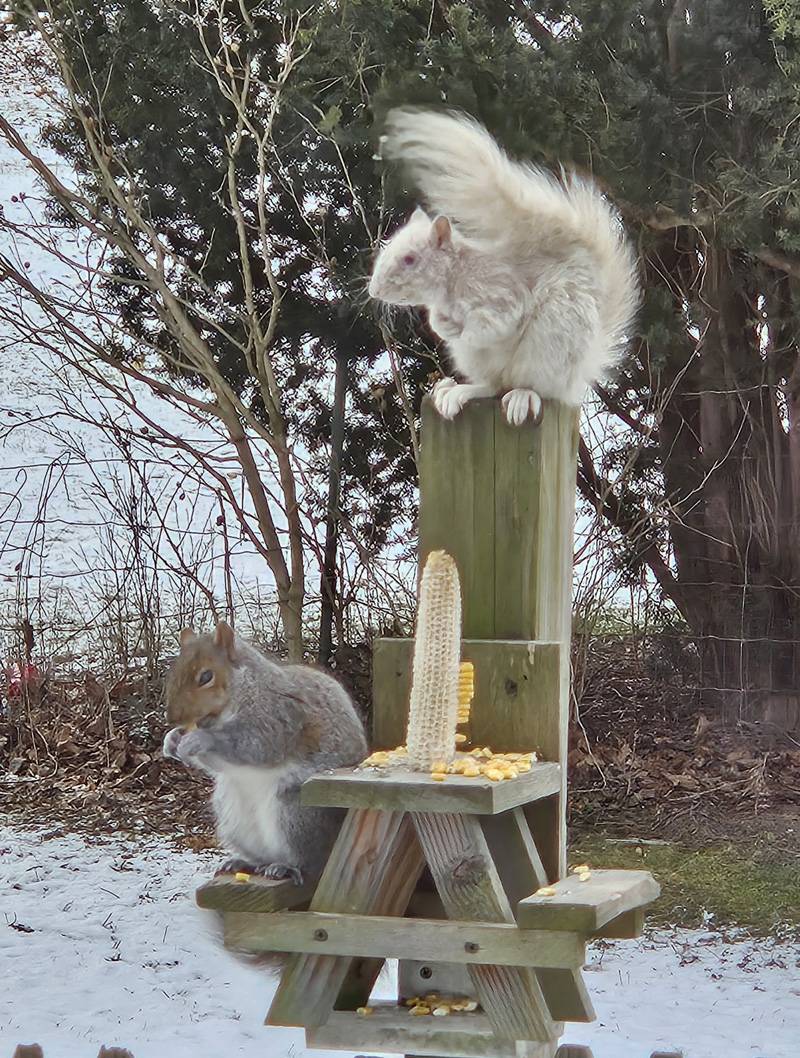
[566,995]
[456,509]
[372,870]
[392,1030]
[224,893]
[470,887]
[588,906]
[624,927]
[514,853]
[517,685]
[397,791]
[403,938]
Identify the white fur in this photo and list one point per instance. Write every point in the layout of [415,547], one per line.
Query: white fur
[247,811]
[534,287]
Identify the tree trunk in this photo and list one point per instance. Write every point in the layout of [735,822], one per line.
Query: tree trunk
[329,562]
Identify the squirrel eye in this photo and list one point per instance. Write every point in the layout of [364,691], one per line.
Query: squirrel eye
[409,259]
[205,678]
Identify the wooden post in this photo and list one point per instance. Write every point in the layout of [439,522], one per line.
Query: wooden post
[501,501]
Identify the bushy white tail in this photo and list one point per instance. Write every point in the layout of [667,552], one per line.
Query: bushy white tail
[464,174]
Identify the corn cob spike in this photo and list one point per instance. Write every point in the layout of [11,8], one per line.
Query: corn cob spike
[433,712]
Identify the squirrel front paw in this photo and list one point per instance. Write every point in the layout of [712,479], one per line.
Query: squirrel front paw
[519,403]
[171,742]
[193,745]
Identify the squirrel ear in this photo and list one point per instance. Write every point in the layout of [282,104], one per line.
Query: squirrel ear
[441,233]
[223,638]
[419,214]
[186,636]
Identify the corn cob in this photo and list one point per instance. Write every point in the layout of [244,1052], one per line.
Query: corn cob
[433,712]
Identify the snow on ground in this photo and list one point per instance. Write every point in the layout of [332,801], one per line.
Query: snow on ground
[101,942]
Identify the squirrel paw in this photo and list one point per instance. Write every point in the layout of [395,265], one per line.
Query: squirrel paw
[519,403]
[172,739]
[280,872]
[450,398]
[234,866]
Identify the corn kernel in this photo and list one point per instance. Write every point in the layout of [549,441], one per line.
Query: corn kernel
[494,774]
[523,766]
[439,765]
[420,1010]
[438,776]
[582,868]
[460,739]
[471,772]
[546,890]
[584,876]
[470,1006]
[413,1002]
[440,1012]
[364,1011]
[242,876]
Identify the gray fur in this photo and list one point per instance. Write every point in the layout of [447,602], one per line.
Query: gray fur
[284,723]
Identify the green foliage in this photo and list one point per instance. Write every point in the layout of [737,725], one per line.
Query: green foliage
[684,111]
[735,884]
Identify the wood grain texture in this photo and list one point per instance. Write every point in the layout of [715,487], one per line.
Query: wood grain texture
[392,1030]
[470,887]
[587,906]
[397,791]
[388,937]
[514,853]
[566,995]
[517,685]
[224,893]
[372,870]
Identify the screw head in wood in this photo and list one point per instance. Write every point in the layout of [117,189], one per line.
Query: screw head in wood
[471,947]
[426,972]
[320,934]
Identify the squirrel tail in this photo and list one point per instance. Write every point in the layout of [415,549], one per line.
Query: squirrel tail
[464,174]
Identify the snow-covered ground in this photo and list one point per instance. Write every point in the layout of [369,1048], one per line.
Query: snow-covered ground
[101,942]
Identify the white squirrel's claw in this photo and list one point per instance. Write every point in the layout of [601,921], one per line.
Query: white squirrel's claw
[450,400]
[519,403]
[439,397]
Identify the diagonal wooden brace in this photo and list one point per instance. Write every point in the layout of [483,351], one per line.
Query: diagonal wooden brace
[470,888]
[372,870]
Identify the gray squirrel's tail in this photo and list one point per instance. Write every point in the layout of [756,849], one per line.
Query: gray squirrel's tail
[464,174]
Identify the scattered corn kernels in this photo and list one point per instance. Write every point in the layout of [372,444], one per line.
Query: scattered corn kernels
[584,876]
[460,739]
[419,1011]
[440,1012]
[546,890]
[364,1011]
[438,776]
[242,876]
[582,868]
[494,774]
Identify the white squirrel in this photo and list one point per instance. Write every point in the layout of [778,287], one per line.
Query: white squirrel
[528,279]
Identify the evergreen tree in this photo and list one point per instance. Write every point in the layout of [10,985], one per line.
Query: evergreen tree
[684,111]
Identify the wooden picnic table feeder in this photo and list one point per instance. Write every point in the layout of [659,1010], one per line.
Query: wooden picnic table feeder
[464,879]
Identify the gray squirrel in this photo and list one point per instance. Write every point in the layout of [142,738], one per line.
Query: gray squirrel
[528,279]
[261,728]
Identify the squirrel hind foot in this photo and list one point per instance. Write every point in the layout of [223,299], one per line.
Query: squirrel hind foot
[518,404]
[280,872]
[236,866]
